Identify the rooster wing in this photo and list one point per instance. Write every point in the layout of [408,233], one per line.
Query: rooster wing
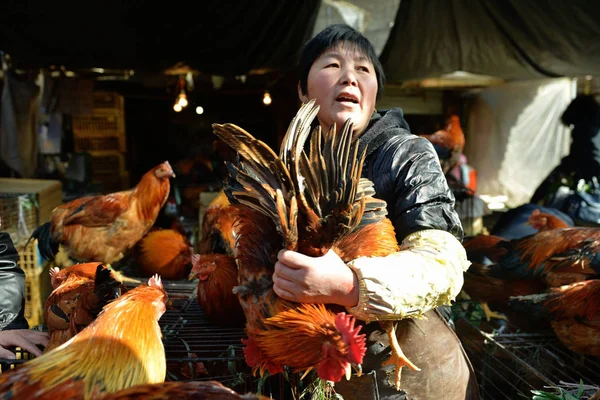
[99,211]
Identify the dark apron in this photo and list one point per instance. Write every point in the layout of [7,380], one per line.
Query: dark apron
[431,345]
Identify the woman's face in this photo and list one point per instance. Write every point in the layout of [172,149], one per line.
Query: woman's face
[344,84]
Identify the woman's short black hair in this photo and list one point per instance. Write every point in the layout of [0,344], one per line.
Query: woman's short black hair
[330,37]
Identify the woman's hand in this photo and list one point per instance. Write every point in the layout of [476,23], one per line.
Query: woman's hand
[23,338]
[325,279]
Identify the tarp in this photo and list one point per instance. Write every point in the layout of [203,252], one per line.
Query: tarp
[514,136]
[224,37]
[511,39]
[19,116]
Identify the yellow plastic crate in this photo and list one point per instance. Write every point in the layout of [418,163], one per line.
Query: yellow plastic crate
[37,282]
[108,103]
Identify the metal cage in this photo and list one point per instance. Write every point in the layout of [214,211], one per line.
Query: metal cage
[511,365]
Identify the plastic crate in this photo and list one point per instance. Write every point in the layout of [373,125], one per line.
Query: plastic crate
[98,124]
[99,141]
[113,183]
[31,262]
[108,103]
[107,163]
[25,204]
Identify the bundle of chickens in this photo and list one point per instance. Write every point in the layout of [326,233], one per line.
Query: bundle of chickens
[550,279]
[312,202]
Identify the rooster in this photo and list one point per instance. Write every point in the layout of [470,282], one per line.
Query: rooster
[217,276]
[104,228]
[573,311]
[78,296]
[310,203]
[448,143]
[121,348]
[544,221]
[215,266]
[549,258]
[558,256]
[218,235]
[165,252]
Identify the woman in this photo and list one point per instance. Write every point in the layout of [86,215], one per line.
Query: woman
[339,68]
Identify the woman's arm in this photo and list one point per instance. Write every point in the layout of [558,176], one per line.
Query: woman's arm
[426,273]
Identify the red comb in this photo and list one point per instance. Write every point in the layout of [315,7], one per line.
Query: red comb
[252,352]
[356,343]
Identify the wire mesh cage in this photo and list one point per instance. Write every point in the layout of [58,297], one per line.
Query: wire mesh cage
[512,365]
[21,356]
[196,349]
[18,215]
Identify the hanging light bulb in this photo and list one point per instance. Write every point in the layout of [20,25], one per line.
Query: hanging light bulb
[177,107]
[267,98]
[199,110]
[182,99]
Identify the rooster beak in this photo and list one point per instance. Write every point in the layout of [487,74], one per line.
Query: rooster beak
[349,367]
[173,175]
[348,372]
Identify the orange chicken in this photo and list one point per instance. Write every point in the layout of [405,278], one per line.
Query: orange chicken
[77,298]
[448,143]
[121,348]
[215,266]
[573,311]
[165,252]
[104,228]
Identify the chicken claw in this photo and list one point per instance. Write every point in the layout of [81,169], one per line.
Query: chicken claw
[489,314]
[397,358]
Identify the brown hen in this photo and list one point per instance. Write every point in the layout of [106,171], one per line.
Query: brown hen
[573,311]
[78,296]
[104,228]
[165,252]
[448,143]
[215,266]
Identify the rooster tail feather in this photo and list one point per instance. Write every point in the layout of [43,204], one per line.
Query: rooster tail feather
[106,287]
[334,188]
[530,305]
[260,181]
[46,244]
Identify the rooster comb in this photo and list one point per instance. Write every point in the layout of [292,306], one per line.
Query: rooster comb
[155,281]
[350,335]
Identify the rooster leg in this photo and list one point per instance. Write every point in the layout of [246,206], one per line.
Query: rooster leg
[397,358]
[489,314]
